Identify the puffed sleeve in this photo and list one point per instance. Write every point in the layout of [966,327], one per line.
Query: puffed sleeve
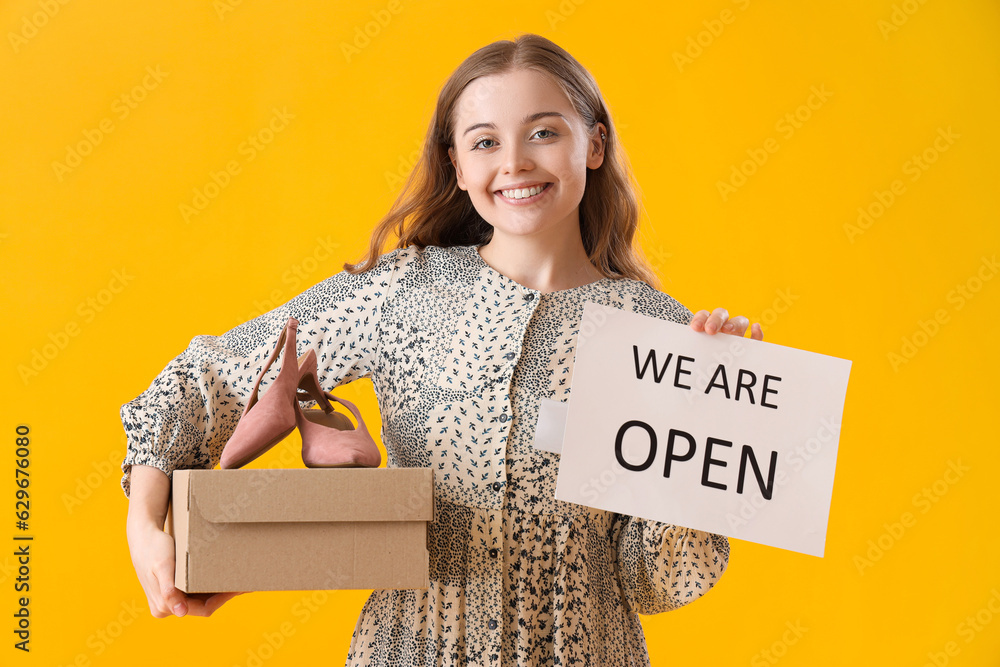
[663,567]
[191,408]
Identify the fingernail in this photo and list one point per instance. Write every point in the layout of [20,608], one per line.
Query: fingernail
[179,609]
[728,326]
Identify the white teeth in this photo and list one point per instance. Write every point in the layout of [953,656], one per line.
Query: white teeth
[521,193]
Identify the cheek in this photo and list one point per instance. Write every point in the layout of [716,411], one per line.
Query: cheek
[473,177]
[575,175]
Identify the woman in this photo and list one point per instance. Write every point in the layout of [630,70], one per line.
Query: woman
[520,211]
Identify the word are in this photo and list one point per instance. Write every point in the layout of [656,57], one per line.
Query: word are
[745,380]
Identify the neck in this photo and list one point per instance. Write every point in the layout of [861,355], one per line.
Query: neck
[546,265]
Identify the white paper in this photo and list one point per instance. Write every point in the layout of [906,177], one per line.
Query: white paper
[802,430]
[551,425]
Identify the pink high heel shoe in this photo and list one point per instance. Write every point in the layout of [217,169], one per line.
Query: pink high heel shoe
[329,440]
[267,421]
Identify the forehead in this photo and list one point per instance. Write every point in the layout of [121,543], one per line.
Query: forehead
[508,97]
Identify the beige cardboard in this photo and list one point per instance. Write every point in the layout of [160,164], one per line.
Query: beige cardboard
[301,529]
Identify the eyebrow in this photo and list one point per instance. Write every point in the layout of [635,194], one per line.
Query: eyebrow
[527,119]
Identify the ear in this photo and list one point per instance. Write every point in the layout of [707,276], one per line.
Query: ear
[595,155]
[458,169]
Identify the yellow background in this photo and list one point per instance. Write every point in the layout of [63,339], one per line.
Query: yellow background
[899,75]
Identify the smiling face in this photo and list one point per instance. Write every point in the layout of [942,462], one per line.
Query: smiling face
[522,152]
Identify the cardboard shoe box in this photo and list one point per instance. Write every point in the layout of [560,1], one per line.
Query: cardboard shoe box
[301,529]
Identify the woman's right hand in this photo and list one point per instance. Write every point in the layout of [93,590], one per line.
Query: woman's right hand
[153,551]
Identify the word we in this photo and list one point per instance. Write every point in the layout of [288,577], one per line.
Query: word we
[744,382]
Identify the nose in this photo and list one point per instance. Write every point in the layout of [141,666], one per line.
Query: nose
[516,157]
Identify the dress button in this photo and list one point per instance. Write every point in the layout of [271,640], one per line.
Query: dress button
[497,486]
[503,418]
[494,553]
[529,296]
[509,356]
[492,624]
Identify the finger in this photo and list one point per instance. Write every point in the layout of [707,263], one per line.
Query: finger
[716,320]
[174,601]
[218,600]
[698,320]
[736,326]
[205,605]
[154,599]
[756,332]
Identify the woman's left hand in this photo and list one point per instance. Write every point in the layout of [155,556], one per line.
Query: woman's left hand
[719,320]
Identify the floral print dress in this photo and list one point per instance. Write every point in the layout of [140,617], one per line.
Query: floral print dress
[460,357]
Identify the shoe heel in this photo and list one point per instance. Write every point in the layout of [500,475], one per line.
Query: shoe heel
[309,381]
[329,440]
[267,421]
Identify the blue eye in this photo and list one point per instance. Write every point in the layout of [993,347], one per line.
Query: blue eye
[476,144]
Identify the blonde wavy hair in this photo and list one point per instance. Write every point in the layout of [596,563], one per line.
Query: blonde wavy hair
[431,210]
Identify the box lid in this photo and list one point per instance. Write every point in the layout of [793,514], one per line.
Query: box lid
[313,494]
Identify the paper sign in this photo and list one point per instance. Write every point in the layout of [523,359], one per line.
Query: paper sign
[712,432]
[551,425]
